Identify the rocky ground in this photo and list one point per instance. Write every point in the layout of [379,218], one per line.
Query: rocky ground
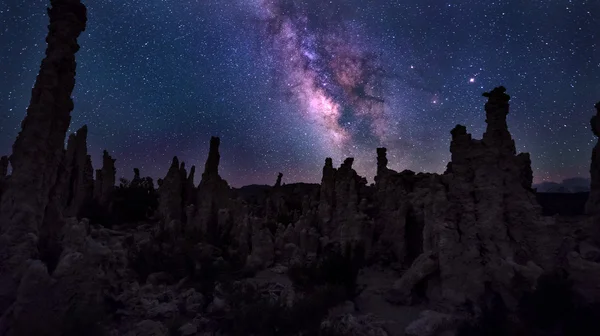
[466,252]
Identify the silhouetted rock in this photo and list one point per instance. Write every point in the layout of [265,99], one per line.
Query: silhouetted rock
[3,173]
[136,176]
[37,152]
[340,218]
[464,245]
[105,182]
[3,167]
[212,195]
[211,168]
[482,220]
[189,188]
[170,194]
[77,179]
[593,204]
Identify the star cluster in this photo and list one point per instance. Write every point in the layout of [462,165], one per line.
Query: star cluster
[287,83]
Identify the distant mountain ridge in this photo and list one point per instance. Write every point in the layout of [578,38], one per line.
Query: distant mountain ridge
[570,185]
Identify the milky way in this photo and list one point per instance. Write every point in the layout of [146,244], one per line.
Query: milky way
[327,70]
[287,83]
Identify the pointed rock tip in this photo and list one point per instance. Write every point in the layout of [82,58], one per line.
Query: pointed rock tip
[175,162]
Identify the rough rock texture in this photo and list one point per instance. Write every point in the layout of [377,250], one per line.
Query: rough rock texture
[263,249]
[213,194]
[105,181]
[422,267]
[76,181]
[497,223]
[431,323]
[482,220]
[341,216]
[71,297]
[592,206]
[349,324]
[38,149]
[71,193]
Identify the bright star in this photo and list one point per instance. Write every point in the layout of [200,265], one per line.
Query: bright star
[471,80]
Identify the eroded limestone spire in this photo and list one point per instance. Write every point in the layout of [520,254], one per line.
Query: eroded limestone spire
[496,110]
[170,193]
[211,168]
[38,149]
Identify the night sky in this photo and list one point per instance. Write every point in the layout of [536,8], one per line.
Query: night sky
[287,83]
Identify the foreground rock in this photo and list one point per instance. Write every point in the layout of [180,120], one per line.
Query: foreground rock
[37,151]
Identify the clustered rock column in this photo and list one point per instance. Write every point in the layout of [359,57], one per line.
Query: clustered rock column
[38,149]
[483,225]
[176,192]
[592,206]
[340,215]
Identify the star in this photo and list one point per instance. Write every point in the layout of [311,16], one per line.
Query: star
[287,83]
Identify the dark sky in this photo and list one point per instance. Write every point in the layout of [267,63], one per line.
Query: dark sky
[287,83]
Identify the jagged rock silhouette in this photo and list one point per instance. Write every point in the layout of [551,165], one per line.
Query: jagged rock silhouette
[337,257]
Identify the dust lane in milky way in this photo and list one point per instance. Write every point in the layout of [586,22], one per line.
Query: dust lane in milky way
[287,83]
[334,78]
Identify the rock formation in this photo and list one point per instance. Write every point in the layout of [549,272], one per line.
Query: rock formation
[189,188]
[278,182]
[341,216]
[592,206]
[76,180]
[3,166]
[105,181]
[213,194]
[170,194]
[72,191]
[3,173]
[216,258]
[38,149]
[177,191]
[136,177]
[485,228]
